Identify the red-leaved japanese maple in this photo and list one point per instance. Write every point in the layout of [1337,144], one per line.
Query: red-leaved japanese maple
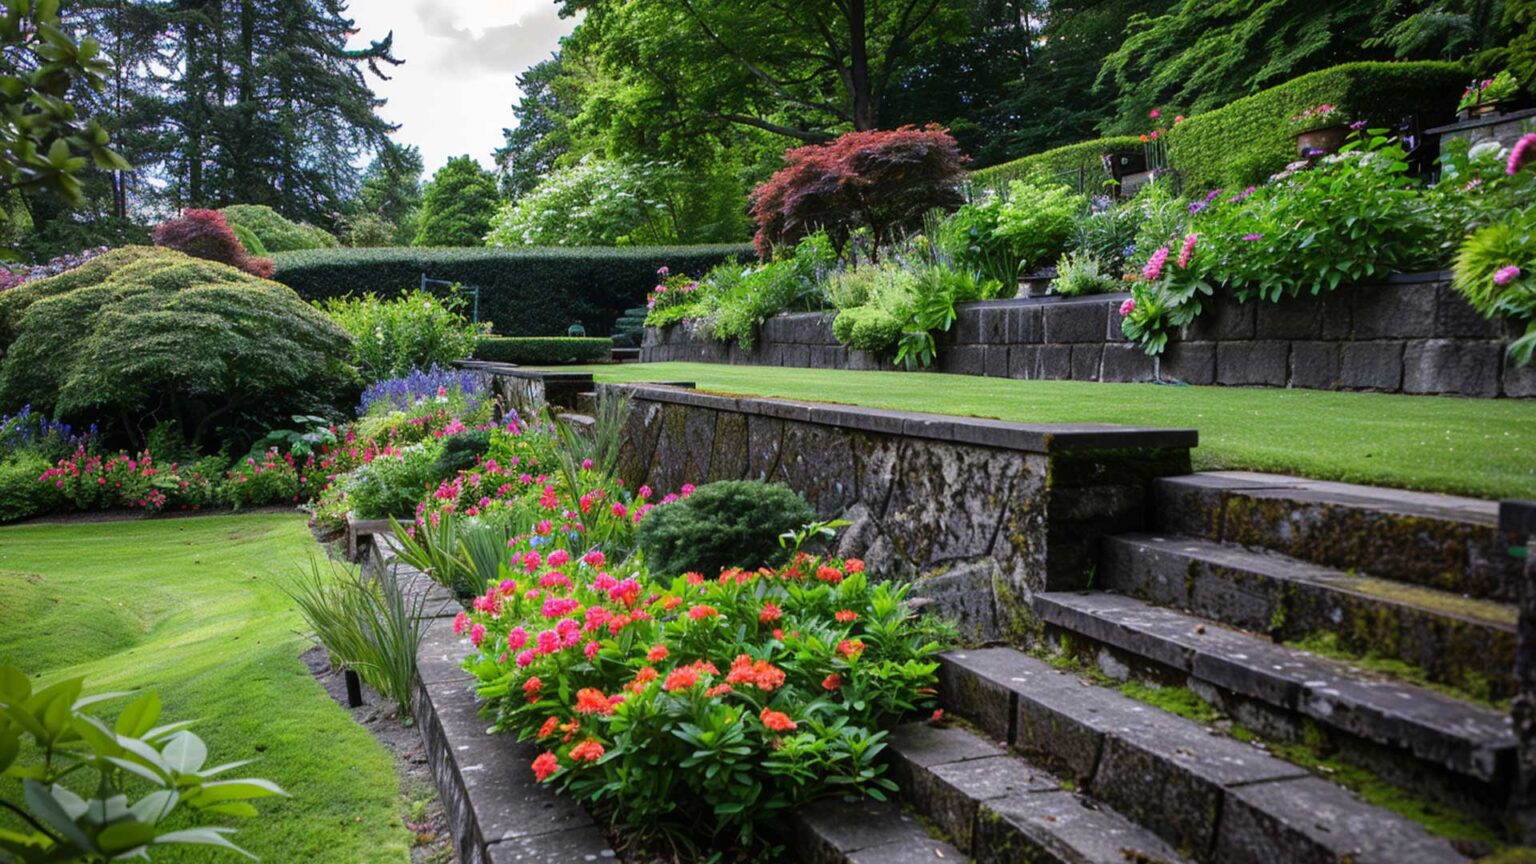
[881,180]
[206,234]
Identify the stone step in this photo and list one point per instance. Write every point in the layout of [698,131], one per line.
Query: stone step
[1212,797]
[1464,738]
[1001,809]
[1440,541]
[864,831]
[1454,640]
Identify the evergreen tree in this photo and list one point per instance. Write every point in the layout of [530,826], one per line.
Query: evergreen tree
[391,189]
[457,206]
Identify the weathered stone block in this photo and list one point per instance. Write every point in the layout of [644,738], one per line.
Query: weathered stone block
[1315,365]
[1024,362]
[993,325]
[995,361]
[978,684]
[1060,826]
[1371,366]
[1292,318]
[1519,382]
[1076,321]
[1455,317]
[1227,321]
[1127,362]
[1087,362]
[1252,363]
[1462,367]
[1055,362]
[1190,362]
[967,328]
[968,359]
[796,354]
[1024,324]
[1394,311]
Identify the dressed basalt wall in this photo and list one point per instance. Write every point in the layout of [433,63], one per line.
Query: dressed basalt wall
[1408,334]
[981,513]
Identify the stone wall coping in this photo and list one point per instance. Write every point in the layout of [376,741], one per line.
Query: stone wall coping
[1479,122]
[1518,518]
[1001,434]
[513,371]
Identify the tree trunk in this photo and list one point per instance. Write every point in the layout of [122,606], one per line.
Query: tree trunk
[864,109]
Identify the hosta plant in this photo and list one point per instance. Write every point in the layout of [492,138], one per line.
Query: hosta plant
[94,790]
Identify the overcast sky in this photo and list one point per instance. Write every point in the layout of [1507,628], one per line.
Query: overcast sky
[455,92]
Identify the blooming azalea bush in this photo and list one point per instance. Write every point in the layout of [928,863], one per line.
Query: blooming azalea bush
[702,709]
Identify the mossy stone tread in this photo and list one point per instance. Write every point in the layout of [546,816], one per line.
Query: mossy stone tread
[1453,639]
[1000,808]
[1166,773]
[1441,541]
[1466,738]
[864,831]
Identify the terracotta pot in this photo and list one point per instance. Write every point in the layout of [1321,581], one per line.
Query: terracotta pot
[1484,109]
[1321,142]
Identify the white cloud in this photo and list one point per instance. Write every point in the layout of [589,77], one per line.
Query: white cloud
[454,94]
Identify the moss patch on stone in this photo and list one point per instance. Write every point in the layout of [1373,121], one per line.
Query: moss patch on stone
[1476,688]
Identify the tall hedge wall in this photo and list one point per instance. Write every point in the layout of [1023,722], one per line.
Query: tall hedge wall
[524,292]
[1087,155]
[1246,141]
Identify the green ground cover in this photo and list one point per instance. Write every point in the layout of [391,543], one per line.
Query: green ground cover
[194,608]
[1481,447]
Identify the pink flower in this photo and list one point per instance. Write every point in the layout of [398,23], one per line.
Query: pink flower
[477,634]
[1522,154]
[591,649]
[1154,113]
[1505,275]
[1154,268]
[1128,306]
[517,638]
[594,559]
[559,558]
[524,659]
[1187,250]
[460,623]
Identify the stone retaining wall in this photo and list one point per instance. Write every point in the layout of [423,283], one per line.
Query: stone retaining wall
[1409,334]
[982,513]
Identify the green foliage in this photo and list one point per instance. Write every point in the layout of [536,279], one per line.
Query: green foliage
[1109,235]
[416,330]
[393,483]
[462,452]
[730,523]
[113,761]
[1036,222]
[368,626]
[1079,273]
[599,202]
[969,238]
[457,206]
[1061,164]
[249,240]
[275,233]
[67,236]
[1241,143]
[21,495]
[1496,271]
[523,292]
[867,328]
[535,350]
[145,335]
[367,231]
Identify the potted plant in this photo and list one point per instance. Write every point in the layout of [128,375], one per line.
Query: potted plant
[1320,130]
[1489,96]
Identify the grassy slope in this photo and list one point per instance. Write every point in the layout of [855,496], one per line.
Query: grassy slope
[1481,447]
[194,608]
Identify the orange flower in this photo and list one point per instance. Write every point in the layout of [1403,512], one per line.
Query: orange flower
[703,611]
[531,688]
[832,682]
[590,700]
[643,676]
[777,721]
[761,674]
[658,654]
[850,648]
[830,575]
[681,678]
[771,613]
[846,616]
[549,728]
[694,578]
[587,751]
[672,602]
[570,729]
[545,765]
[853,565]
[719,690]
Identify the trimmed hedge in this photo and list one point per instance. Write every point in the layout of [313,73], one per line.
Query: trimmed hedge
[524,292]
[543,350]
[1242,143]
[1087,155]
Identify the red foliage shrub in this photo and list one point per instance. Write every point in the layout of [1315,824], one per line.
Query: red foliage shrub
[206,234]
[882,180]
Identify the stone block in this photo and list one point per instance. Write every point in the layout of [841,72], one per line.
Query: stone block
[978,685]
[1024,324]
[993,325]
[967,328]
[1455,317]
[1315,365]
[950,794]
[1393,311]
[1024,362]
[1519,382]
[1126,362]
[1060,826]
[1087,362]
[1372,366]
[576,846]
[1075,321]
[1291,318]
[1189,362]
[968,359]
[1055,363]
[1227,320]
[796,354]
[1460,367]
[995,362]
[1252,363]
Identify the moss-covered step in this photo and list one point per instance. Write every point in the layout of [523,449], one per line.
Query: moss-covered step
[1440,541]
[864,831]
[1000,809]
[1191,786]
[1448,638]
[1469,739]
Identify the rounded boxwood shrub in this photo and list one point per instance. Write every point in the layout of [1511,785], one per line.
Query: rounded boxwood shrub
[276,233]
[731,523]
[867,328]
[462,452]
[533,350]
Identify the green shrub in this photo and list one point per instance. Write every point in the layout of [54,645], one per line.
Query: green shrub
[1079,273]
[867,328]
[249,240]
[457,205]
[524,292]
[536,350]
[1062,164]
[462,452]
[1036,222]
[1496,272]
[732,523]
[274,232]
[144,335]
[414,331]
[392,485]
[21,495]
[1243,142]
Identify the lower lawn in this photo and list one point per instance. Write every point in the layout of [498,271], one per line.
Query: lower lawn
[194,608]
[1481,447]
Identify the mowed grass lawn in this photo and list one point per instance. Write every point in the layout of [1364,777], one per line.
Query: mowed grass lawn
[1480,447]
[194,608]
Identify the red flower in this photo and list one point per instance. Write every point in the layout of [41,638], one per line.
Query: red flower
[777,721]
[830,575]
[545,765]
[771,613]
[531,688]
[719,690]
[658,654]
[643,676]
[846,616]
[761,674]
[831,682]
[702,611]
[853,565]
[587,751]
[681,678]
[850,648]
[938,716]
[550,727]
[590,700]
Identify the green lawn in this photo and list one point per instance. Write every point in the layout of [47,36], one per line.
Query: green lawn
[1483,447]
[195,609]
